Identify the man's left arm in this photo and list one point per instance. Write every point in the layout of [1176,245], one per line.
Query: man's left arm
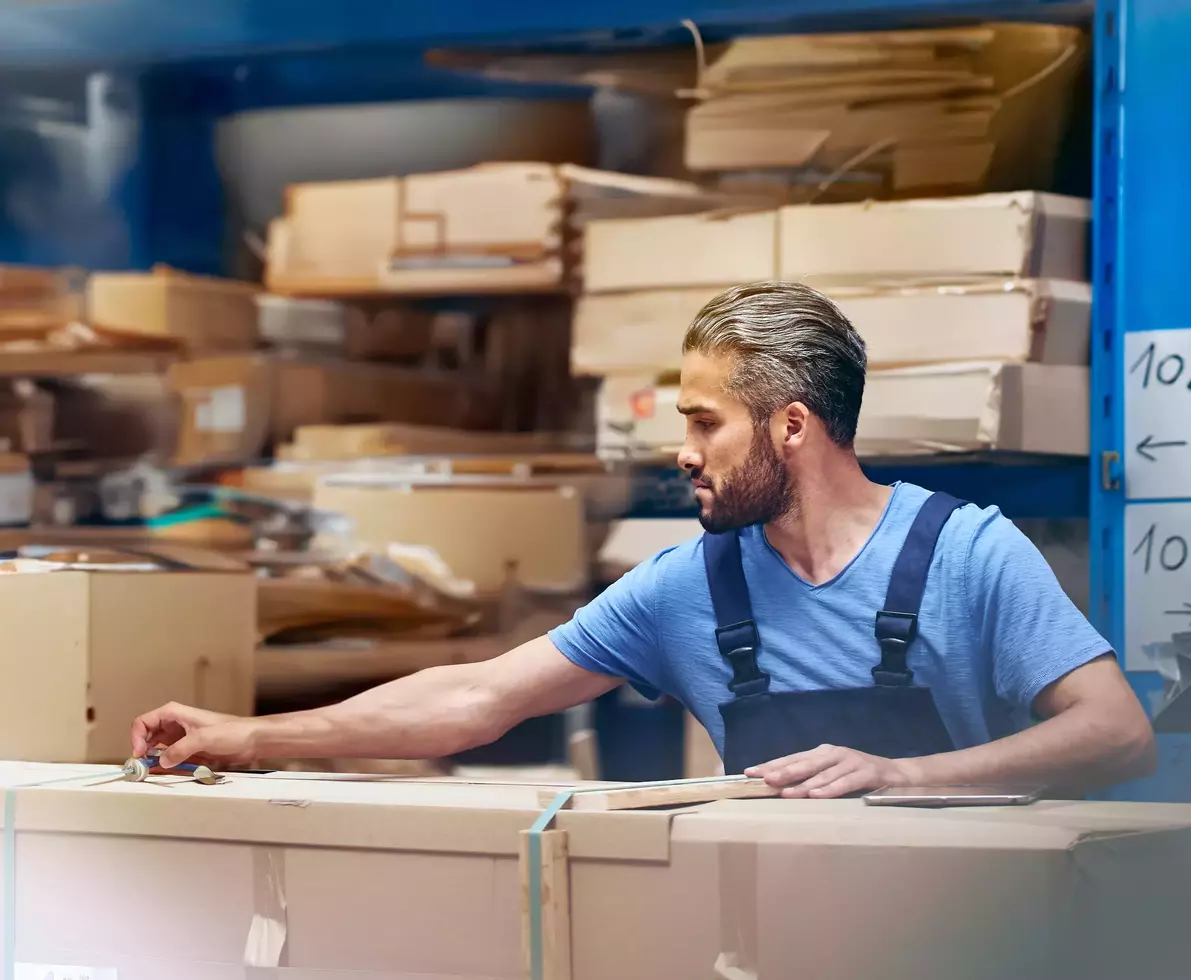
[1093,730]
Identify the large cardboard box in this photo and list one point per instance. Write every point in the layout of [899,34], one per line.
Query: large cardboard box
[1043,321]
[202,313]
[677,251]
[1025,234]
[485,529]
[368,878]
[87,651]
[491,228]
[1040,321]
[1033,408]
[635,331]
[955,407]
[229,408]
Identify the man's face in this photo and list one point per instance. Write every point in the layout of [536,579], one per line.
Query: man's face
[740,478]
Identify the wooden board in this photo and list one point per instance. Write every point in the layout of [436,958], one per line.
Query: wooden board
[671,793]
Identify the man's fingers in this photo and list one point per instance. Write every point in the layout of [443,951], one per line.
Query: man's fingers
[829,775]
[808,765]
[765,768]
[182,750]
[849,783]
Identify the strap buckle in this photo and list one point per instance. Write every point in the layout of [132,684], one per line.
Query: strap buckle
[738,645]
[895,632]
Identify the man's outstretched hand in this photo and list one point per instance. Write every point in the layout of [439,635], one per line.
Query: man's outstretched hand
[194,735]
[831,771]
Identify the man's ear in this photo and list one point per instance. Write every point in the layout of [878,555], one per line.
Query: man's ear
[794,420]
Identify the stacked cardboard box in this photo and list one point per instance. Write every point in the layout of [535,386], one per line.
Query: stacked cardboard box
[975,312]
[363,879]
[175,370]
[890,113]
[99,636]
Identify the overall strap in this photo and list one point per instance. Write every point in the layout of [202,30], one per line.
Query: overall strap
[736,631]
[897,623]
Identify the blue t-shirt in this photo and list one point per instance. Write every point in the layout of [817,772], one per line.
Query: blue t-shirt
[995,627]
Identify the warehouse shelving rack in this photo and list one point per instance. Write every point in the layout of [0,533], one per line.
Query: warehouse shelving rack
[163,73]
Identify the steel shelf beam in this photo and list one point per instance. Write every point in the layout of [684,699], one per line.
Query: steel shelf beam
[110,32]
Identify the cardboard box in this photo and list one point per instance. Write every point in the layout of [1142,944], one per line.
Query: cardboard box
[1040,321]
[366,878]
[637,415]
[202,313]
[958,407]
[491,228]
[230,408]
[1043,321]
[16,490]
[863,115]
[636,332]
[227,404]
[485,529]
[678,251]
[90,650]
[314,391]
[1033,408]
[1026,235]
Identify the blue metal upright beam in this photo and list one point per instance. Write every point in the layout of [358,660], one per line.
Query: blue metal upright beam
[1142,248]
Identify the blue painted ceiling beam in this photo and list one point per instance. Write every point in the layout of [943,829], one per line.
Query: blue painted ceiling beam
[108,32]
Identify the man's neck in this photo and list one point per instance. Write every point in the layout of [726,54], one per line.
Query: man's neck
[837,510]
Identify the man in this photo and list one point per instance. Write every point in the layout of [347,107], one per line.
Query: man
[833,634]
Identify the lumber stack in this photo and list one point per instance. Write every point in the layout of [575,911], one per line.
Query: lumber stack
[889,113]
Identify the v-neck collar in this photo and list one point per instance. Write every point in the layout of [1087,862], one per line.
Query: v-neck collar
[852,561]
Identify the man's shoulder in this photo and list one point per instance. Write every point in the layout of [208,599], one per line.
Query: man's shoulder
[969,524]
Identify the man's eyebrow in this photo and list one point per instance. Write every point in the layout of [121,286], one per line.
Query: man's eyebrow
[695,409]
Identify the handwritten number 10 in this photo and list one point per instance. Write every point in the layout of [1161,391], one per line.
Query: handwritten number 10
[1168,370]
[1171,556]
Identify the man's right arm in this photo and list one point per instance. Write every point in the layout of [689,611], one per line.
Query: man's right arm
[430,714]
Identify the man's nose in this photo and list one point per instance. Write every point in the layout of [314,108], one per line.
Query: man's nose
[689,458]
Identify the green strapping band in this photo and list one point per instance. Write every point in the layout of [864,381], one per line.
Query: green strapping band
[545,819]
[10,864]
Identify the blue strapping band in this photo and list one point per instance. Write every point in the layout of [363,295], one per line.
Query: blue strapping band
[10,863]
[545,819]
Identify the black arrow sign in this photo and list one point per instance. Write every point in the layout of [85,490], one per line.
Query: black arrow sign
[1185,611]
[1148,443]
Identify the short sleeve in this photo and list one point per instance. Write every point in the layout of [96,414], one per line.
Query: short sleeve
[1026,624]
[617,632]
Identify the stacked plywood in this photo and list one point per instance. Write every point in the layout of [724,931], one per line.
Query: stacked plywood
[976,305]
[891,113]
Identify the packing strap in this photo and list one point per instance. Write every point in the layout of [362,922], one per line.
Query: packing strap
[543,823]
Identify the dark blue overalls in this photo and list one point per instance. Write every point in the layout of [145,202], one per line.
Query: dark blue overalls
[892,718]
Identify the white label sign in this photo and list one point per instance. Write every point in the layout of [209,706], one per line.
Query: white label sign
[1158,414]
[47,971]
[1157,578]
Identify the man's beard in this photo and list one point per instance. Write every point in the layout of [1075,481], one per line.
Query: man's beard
[758,491]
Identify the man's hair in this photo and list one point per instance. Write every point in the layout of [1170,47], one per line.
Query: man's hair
[788,343]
